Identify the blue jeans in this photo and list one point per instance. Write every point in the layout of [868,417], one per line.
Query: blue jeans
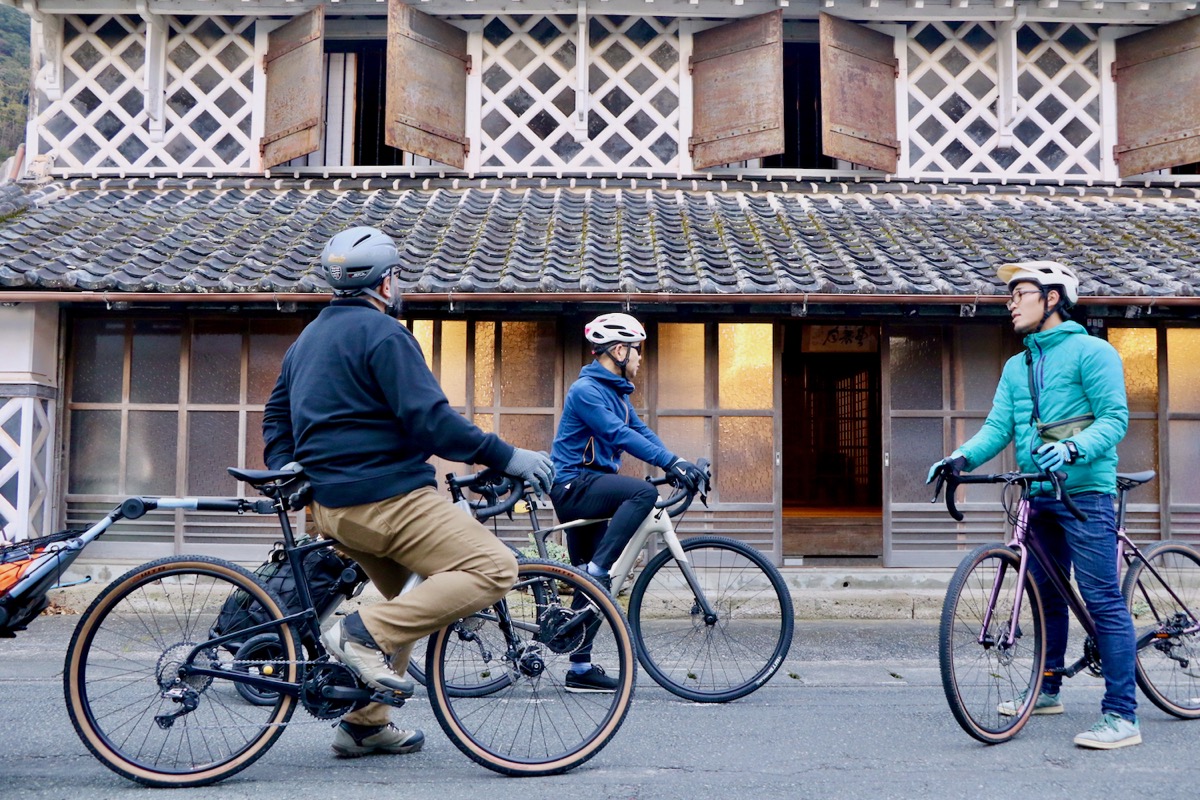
[1092,548]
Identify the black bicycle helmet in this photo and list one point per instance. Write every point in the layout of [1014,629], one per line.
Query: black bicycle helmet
[357,260]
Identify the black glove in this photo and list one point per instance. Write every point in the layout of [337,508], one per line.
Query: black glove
[688,475]
[532,466]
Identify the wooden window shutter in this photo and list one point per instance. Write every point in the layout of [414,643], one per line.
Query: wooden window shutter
[737,91]
[427,66]
[858,94]
[1157,73]
[295,64]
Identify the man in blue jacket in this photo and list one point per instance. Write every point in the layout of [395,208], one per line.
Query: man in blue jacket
[1063,402]
[598,424]
[356,404]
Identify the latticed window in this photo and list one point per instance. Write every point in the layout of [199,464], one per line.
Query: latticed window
[953,92]
[101,119]
[529,93]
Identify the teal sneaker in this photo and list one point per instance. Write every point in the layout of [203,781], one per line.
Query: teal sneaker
[1111,732]
[1045,704]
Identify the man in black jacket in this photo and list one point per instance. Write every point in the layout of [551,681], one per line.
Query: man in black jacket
[356,404]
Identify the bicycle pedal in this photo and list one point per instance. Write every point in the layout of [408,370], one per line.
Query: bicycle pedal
[394,699]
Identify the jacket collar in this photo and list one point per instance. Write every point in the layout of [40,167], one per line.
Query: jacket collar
[597,372]
[1044,340]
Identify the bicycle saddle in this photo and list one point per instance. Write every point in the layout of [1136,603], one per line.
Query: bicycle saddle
[1128,480]
[258,477]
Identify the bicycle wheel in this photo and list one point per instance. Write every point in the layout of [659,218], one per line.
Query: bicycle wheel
[260,655]
[123,690]
[721,659]
[979,670]
[532,725]
[1164,609]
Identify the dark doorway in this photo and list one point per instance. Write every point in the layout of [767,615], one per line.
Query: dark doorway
[369,101]
[801,110]
[832,432]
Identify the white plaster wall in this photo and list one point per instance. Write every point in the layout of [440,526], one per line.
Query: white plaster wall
[29,344]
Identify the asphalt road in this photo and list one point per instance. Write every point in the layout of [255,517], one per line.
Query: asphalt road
[856,712]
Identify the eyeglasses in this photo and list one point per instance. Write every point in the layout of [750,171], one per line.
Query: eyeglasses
[1018,294]
[635,346]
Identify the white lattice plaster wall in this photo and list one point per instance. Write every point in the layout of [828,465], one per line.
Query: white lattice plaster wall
[26,462]
[952,98]
[101,122]
[528,93]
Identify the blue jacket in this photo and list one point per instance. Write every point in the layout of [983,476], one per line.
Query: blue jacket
[598,424]
[356,404]
[1075,374]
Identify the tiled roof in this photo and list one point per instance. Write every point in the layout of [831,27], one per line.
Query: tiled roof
[899,238]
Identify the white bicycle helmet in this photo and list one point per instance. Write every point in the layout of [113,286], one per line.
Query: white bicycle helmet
[609,329]
[1044,274]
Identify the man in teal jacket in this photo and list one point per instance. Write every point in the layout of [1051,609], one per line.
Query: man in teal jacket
[1063,403]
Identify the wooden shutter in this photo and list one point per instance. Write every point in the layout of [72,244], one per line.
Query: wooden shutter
[295,99]
[858,94]
[737,91]
[1157,73]
[427,66]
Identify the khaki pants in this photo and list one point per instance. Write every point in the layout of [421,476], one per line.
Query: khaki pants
[466,568]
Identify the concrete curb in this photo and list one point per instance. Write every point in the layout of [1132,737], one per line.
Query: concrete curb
[817,593]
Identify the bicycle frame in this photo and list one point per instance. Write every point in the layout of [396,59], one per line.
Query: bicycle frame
[1026,543]
[657,522]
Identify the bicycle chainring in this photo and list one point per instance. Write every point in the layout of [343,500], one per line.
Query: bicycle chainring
[555,632]
[1091,654]
[330,673]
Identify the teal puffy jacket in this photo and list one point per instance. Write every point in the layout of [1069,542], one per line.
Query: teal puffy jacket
[1075,374]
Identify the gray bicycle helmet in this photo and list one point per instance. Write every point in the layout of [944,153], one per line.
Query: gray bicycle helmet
[357,260]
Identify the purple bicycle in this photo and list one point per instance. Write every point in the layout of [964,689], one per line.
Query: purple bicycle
[991,644]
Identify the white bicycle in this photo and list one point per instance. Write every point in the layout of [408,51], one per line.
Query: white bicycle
[711,617]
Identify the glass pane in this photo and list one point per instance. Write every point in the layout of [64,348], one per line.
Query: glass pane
[1185,462]
[212,447]
[975,370]
[254,441]
[915,368]
[1139,350]
[99,348]
[916,443]
[687,437]
[747,463]
[527,371]
[422,330]
[269,341]
[485,357]
[681,366]
[1139,451]
[95,452]
[154,372]
[960,431]
[150,458]
[531,431]
[485,422]
[744,365]
[215,367]
[454,362]
[1183,365]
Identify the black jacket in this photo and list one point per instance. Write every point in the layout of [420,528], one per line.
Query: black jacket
[356,404]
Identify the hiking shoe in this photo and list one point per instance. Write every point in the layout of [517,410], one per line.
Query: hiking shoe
[352,741]
[365,659]
[594,680]
[1045,704]
[1111,732]
[603,580]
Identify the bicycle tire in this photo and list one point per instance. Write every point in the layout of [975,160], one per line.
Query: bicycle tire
[1168,662]
[712,661]
[481,688]
[979,677]
[121,660]
[533,726]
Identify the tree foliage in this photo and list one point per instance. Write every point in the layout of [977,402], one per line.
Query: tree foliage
[14,79]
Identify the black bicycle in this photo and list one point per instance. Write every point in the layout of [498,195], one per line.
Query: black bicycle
[152,691]
[992,650]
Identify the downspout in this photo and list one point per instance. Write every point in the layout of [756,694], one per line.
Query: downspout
[157,34]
